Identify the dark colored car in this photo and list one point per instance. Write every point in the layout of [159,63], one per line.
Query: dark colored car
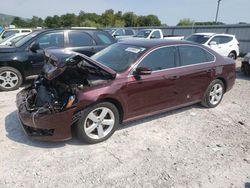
[125,81]
[245,64]
[26,57]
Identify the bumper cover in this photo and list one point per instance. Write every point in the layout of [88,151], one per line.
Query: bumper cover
[44,126]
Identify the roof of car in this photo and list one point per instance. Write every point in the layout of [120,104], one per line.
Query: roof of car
[212,34]
[150,43]
[76,28]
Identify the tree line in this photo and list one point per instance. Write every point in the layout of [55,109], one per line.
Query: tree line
[109,18]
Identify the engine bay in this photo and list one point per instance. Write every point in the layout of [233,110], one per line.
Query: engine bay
[55,88]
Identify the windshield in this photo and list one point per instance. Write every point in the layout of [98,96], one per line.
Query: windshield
[118,57]
[26,39]
[143,34]
[201,39]
[6,39]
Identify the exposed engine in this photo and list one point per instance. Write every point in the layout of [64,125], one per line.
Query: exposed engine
[55,89]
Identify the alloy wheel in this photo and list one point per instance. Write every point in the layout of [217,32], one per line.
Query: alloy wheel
[99,123]
[216,94]
[8,79]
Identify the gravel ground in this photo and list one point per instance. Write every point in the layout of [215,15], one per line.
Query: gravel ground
[190,147]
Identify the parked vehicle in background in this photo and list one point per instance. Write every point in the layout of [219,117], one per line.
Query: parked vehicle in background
[8,32]
[26,57]
[245,64]
[121,32]
[156,34]
[224,44]
[126,81]
[13,39]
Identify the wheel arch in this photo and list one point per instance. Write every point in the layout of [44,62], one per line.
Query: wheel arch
[15,66]
[117,104]
[235,53]
[223,81]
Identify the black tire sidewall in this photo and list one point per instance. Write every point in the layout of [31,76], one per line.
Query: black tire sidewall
[206,101]
[232,55]
[19,75]
[80,124]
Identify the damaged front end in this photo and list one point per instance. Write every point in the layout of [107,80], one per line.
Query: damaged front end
[47,108]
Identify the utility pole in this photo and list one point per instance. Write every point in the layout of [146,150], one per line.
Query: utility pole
[217,12]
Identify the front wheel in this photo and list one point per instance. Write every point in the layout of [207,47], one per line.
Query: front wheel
[98,123]
[10,79]
[214,94]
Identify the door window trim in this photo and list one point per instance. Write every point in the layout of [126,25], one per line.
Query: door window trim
[130,74]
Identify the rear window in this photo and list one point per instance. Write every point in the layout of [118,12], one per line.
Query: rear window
[190,55]
[78,38]
[104,38]
[201,39]
[129,32]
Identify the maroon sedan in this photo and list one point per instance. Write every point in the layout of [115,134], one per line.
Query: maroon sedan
[125,81]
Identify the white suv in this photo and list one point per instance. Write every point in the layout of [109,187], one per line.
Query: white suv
[224,44]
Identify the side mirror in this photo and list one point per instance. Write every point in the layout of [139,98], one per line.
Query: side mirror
[34,47]
[143,71]
[212,43]
[116,35]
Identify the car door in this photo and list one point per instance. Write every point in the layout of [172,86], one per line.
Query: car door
[196,72]
[53,39]
[221,44]
[156,91]
[82,42]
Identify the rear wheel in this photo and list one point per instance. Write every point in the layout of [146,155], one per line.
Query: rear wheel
[214,94]
[232,55]
[10,79]
[98,123]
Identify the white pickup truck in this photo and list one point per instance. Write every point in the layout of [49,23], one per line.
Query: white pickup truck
[156,34]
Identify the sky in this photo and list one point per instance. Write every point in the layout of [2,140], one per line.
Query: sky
[168,11]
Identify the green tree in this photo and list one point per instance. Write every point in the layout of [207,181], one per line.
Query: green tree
[69,20]
[53,22]
[130,19]
[108,18]
[185,22]
[36,22]
[18,22]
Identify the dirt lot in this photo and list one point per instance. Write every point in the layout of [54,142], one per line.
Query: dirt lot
[191,147]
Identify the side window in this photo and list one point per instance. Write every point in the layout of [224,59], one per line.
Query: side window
[119,32]
[156,34]
[129,32]
[25,31]
[190,55]
[225,39]
[104,38]
[216,39]
[159,59]
[222,39]
[78,38]
[51,40]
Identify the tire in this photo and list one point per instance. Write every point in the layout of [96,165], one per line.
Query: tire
[232,55]
[10,79]
[213,94]
[245,68]
[91,129]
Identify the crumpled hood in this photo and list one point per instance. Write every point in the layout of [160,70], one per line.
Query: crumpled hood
[7,49]
[57,60]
